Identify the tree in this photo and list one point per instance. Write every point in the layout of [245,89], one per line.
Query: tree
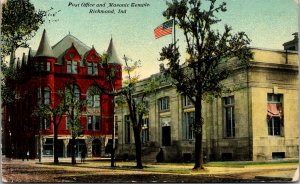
[55,114]
[20,23]
[71,105]
[137,103]
[74,109]
[210,54]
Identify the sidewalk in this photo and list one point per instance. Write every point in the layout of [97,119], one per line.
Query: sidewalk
[282,175]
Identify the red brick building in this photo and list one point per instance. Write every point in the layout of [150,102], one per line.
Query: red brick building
[43,74]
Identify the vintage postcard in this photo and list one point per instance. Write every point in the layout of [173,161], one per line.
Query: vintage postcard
[113,91]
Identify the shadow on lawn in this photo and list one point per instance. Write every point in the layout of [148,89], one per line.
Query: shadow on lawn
[148,178]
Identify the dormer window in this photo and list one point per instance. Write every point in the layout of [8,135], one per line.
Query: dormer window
[92,69]
[72,67]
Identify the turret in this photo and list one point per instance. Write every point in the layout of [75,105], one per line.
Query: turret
[43,63]
[44,49]
[44,58]
[112,54]
[115,61]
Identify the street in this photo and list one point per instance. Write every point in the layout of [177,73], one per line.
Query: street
[95,171]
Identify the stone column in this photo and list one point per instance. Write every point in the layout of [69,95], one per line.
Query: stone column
[66,142]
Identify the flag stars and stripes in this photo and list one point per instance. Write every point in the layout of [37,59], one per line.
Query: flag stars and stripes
[163,29]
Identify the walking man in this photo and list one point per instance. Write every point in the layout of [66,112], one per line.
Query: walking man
[27,155]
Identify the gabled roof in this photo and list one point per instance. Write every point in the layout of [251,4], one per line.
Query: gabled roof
[88,52]
[60,48]
[112,54]
[44,47]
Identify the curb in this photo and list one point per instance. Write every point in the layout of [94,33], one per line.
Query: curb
[268,178]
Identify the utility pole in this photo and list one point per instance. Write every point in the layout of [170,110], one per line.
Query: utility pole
[113,137]
[40,119]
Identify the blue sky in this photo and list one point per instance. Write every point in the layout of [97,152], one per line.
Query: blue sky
[268,23]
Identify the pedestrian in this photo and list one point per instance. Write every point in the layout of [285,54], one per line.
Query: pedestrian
[27,155]
[160,156]
[82,155]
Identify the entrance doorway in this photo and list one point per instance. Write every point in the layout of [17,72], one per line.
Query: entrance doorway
[79,146]
[166,136]
[60,147]
[96,148]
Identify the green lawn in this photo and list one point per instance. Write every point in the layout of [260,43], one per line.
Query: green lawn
[251,163]
[178,168]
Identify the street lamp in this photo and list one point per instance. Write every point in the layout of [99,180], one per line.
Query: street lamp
[10,144]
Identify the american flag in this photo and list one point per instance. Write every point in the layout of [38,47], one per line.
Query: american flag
[163,29]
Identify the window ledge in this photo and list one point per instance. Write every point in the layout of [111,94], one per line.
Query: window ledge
[167,110]
[275,136]
[229,138]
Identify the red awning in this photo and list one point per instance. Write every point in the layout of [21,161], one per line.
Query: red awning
[274,110]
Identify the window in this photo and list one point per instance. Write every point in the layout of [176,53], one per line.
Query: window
[74,91]
[188,121]
[47,96]
[275,115]
[42,66]
[90,122]
[93,97]
[127,129]
[44,96]
[93,123]
[45,123]
[72,67]
[145,130]
[48,147]
[48,66]
[228,104]
[186,102]
[164,104]
[97,122]
[92,69]
[68,119]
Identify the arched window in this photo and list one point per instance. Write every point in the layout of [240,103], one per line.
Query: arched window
[93,97]
[74,91]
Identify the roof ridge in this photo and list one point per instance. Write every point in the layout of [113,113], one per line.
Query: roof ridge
[69,35]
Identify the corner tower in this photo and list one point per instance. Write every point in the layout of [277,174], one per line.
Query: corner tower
[43,66]
[114,61]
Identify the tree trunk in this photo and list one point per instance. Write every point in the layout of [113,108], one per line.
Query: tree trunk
[12,57]
[138,147]
[55,142]
[73,150]
[198,135]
